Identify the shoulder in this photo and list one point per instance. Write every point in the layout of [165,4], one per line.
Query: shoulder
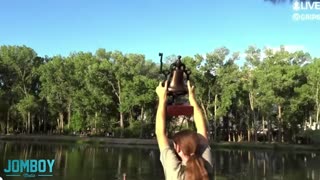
[170,162]
[172,166]
[167,154]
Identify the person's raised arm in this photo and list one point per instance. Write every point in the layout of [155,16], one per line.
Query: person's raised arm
[199,120]
[161,117]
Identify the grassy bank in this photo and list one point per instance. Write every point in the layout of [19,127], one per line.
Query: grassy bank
[152,142]
[78,139]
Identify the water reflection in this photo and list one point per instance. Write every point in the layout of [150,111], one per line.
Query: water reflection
[239,164]
[87,161]
[75,161]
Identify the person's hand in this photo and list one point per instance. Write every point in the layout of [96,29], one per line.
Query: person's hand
[162,91]
[191,92]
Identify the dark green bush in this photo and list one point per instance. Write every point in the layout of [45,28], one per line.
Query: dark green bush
[117,132]
[311,136]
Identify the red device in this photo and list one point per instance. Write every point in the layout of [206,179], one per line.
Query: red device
[180,109]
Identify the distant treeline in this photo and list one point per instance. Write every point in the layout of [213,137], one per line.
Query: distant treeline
[274,94]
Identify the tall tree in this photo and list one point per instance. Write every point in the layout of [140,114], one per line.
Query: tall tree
[21,64]
[253,56]
[276,83]
[55,87]
[229,82]
[122,71]
[210,73]
[313,86]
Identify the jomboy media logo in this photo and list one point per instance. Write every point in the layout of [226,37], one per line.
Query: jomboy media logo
[29,168]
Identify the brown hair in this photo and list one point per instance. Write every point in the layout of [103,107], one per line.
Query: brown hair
[188,141]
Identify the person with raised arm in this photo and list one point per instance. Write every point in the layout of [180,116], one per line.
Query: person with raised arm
[190,157]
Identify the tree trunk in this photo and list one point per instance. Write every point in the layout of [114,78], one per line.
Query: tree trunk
[254,126]
[251,100]
[18,127]
[263,128]
[33,126]
[121,113]
[69,115]
[215,118]
[44,118]
[317,104]
[233,137]
[142,113]
[8,125]
[181,124]
[60,124]
[317,116]
[26,125]
[142,121]
[269,130]
[131,117]
[29,123]
[280,131]
[117,92]
[252,131]
[121,124]
[240,136]
[39,124]
[95,123]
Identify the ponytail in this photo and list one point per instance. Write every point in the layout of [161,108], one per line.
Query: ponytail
[195,166]
[195,169]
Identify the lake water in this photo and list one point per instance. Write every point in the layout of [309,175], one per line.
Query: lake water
[88,162]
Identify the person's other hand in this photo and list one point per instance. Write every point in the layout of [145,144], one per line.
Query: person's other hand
[162,91]
[191,91]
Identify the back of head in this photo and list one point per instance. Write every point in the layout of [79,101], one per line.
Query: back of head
[188,141]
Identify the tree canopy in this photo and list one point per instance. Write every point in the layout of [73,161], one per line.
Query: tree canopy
[108,91]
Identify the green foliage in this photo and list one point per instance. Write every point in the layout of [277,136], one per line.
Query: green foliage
[133,130]
[77,122]
[55,83]
[19,81]
[27,104]
[115,92]
[312,135]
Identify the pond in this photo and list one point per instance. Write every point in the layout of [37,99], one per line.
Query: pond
[89,162]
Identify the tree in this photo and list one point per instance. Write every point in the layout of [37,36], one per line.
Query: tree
[249,79]
[55,87]
[209,70]
[229,83]
[312,87]
[117,77]
[98,92]
[20,80]
[276,84]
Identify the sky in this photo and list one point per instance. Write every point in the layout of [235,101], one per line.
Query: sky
[180,27]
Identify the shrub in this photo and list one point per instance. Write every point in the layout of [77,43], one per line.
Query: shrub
[311,136]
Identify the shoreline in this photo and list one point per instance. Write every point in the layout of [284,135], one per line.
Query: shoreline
[78,139]
[273,146]
[153,142]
